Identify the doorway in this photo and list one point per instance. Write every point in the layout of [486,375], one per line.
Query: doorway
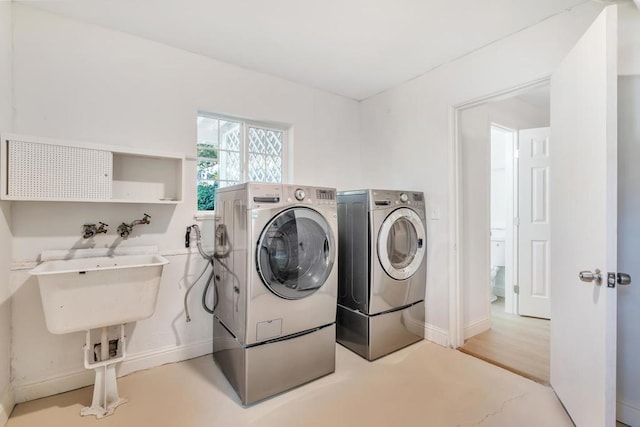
[504,203]
[503,209]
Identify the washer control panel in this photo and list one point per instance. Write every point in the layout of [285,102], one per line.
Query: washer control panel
[299,194]
[309,195]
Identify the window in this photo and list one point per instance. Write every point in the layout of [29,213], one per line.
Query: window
[231,151]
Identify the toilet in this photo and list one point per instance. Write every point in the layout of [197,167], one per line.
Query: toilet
[497,266]
[494,272]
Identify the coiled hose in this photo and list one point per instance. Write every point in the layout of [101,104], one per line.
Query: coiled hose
[225,246]
[209,259]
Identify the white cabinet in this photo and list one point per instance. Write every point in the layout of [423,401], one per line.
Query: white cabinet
[34,168]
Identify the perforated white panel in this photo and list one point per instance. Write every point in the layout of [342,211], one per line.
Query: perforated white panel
[46,171]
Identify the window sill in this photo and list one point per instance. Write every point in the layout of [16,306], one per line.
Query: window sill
[204,215]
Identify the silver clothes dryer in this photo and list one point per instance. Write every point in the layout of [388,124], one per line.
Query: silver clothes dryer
[382,270]
[274,320]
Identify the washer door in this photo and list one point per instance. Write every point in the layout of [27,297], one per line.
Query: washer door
[401,243]
[296,252]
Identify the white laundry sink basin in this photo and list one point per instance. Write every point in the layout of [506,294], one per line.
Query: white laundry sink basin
[88,292]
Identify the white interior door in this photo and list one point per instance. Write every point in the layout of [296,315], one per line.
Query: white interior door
[583,230]
[534,230]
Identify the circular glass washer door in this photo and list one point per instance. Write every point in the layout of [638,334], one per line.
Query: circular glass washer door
[401,243]
[295,253]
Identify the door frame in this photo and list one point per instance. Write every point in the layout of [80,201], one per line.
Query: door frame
[456,208]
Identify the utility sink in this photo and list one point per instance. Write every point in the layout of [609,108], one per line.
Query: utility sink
[95,289]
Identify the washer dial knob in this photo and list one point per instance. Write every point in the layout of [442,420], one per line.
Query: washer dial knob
[299,194]
[404,198]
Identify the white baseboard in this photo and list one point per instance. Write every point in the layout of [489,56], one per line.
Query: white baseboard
[414,326]
[477,327]
[133,362]
[628,414]
[437,335]
[153,358]
[429,332]
[7,402]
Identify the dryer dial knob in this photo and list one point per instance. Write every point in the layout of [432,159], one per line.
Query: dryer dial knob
[299,194]
[404,198]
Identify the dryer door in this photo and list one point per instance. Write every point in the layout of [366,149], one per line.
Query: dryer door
[402,243]
[296,252]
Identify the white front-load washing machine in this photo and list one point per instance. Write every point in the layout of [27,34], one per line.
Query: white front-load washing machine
[276,286]
[382,270]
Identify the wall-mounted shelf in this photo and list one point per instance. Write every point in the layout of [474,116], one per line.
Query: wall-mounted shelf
[44,169]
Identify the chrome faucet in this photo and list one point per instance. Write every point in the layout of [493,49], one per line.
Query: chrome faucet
[125,229]
[91,230]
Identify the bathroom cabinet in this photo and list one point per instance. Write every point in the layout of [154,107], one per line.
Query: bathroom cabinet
[43,169]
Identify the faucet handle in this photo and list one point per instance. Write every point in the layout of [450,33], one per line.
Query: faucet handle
[89,230]
[124,230]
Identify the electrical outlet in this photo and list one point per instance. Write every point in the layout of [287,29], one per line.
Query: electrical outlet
[435,211]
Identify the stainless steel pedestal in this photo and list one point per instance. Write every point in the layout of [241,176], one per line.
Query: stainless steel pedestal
[265,369]
[375,336]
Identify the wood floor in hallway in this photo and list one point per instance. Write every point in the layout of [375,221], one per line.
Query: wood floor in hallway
[517,343]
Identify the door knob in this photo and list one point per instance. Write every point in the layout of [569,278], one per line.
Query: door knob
[623,279]
[587,276]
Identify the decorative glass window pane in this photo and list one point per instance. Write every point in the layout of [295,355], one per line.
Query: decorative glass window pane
[273,169]
[256,168]
[230,152]
[274,143]
[229,135]
[256,140]
[230,165]
[265,141]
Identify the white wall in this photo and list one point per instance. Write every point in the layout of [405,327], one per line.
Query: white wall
[81,82]
[6,108]
[498,206]
[475,148]
[407,133]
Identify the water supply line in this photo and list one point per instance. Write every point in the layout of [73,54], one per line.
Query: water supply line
[223,249]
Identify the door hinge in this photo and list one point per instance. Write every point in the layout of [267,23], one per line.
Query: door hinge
[516,154]
[516,289]
[516,221]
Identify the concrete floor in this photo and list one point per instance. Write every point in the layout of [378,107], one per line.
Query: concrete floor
[422,385]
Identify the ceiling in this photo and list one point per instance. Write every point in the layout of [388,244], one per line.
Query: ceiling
[354,48]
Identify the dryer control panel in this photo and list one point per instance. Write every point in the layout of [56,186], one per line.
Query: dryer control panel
[389,198]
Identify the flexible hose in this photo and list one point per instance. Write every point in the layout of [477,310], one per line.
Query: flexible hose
[206,291]
[186,294]
[212,258]
[209,259]
[199,243]
[215,282]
